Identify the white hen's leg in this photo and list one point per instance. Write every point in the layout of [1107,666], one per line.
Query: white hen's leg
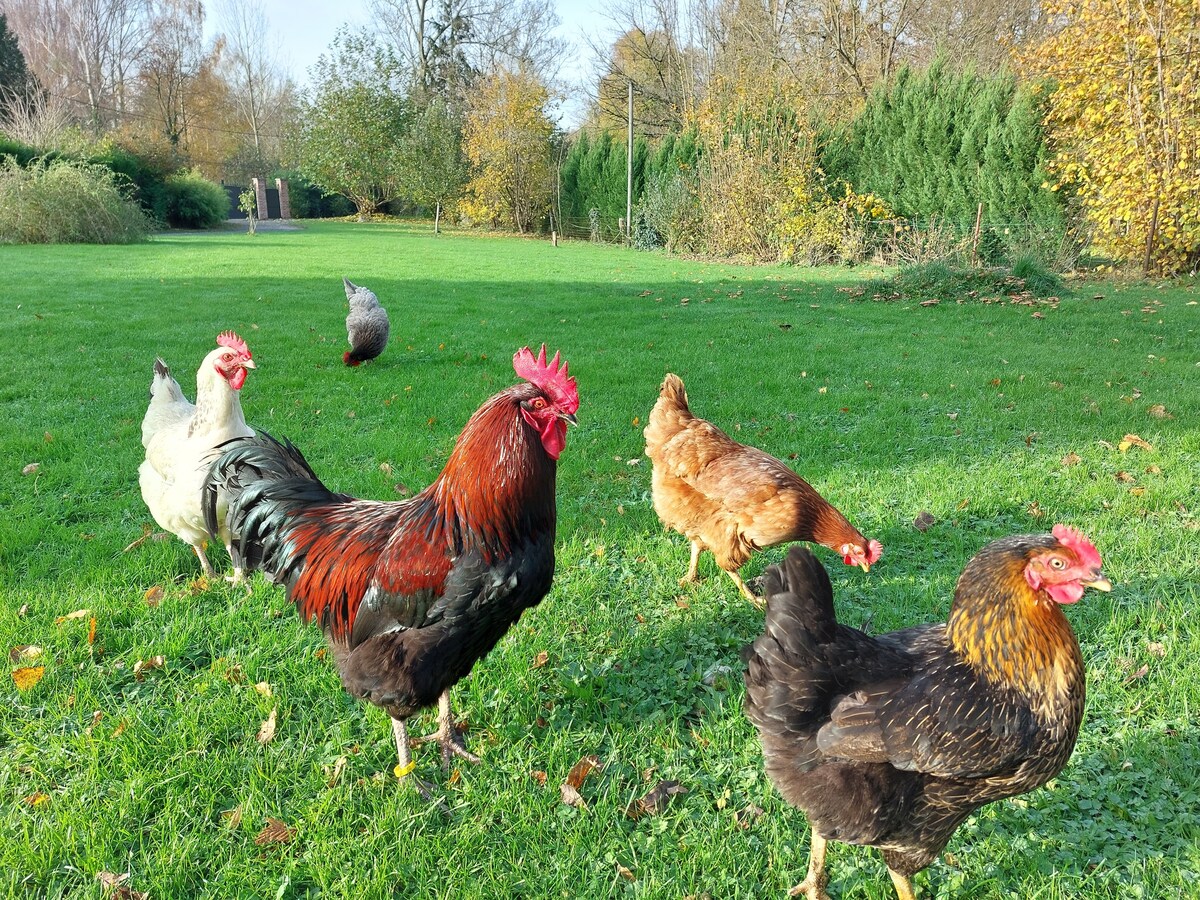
[204,563]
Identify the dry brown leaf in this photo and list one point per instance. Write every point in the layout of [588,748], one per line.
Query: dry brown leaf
[232,817]
[1035,510]
[28,652]
[31,469]
[582,769]
[746,817]
[91,631]
[120,729]
[1156,649]
[1072,459]
[27,676]
[625,873]
[1137,491]
[1159,411]
[539,776]
[78,614]
[97,715]
[1132,440]
[1123,477]
[199,586]
[262,687]
[1153,470]
[23,611]
[965,503]
[1138,675]
[275,832]
[111,880]
[36,799]
[267,731]
[142,666]
[923,520]
[656,800]
[153,595]
[540,660]
[571,796]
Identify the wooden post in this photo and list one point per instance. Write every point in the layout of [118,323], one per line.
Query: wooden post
[975,237]
[629,170]
[554,238]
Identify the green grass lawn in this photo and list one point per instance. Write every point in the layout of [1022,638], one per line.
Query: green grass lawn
[992,419]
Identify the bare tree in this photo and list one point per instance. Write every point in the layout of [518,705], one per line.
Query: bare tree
[258,87]
[171,64]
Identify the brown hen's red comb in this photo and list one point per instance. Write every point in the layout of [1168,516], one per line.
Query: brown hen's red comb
[548,376]
[233,342]
[1074,540]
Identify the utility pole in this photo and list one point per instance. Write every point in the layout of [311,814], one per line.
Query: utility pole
[629,172]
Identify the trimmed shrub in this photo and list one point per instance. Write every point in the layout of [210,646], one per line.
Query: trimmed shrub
[195,202]
[66,202]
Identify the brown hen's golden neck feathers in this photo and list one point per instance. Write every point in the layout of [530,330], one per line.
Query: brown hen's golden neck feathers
[1013,635]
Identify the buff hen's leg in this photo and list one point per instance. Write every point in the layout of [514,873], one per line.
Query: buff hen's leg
[813,885]
[903,885]
[689,577]
[448,737]
[754,599]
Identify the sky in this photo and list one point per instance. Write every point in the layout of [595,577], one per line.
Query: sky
[306,27]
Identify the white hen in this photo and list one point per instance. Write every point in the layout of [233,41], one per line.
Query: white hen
[180,440]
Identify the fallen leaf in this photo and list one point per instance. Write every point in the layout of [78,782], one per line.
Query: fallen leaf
[23,610]
[91,631]
[31,469]
[1072,459]
[1137,491]
[120,729]
[1153,470]
[1123,477]
[1132,440]
[1139,674]
[656,800]
[97,715]
[27,676]
[965,503]
[263,688]
[952,416]
[334,773]
[1159,412]
[625,873]
[746,817]
[232,817]
[24,652]
[199,586]
[539,776]
[153,595]
[385,468]
[540,660]
[267,731]
[923,520]
[275,832]
[111,880]
[36,799]
[78,614]
[1035,510]
[1156,649]
[142,666]
[582,769]
[571,796]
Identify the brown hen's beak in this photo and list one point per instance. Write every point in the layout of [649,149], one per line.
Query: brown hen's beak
[866,566]
[569,418]
[1100,583]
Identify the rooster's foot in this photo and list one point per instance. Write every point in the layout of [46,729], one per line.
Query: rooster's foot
[448,736]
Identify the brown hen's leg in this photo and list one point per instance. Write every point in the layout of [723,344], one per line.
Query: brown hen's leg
[758,602]
[690,576]
[813,885]
[448,736]
[404,765]
[903,885]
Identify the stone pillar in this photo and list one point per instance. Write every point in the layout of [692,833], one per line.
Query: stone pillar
[285,200]
[260,196]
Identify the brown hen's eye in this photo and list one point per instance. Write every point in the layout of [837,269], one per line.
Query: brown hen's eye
[1057,563]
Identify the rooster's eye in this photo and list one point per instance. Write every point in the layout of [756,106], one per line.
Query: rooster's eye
[539,403]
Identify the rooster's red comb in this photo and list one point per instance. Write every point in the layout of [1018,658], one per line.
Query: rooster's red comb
[233,342]
[1074,540]
[548,376]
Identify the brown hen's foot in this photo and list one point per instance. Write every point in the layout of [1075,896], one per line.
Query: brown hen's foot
[903,885]
[448,737]
[813,885]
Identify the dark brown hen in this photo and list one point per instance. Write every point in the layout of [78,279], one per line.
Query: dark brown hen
[892,741]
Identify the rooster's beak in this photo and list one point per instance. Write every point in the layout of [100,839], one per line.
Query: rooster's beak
[569,418]
[1100,583]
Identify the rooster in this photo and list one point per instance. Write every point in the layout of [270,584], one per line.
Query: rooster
[412,593]
[366,326]
[180,441]
[731,499]
[892,741]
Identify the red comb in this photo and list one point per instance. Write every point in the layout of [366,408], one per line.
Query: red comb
[233,342]
[1074,540]
[548,376]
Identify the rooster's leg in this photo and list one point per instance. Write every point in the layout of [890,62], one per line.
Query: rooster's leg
[813,885]
[405,763]
[759,602]
[209,571]
[903,885]
[448,736]
[690,575]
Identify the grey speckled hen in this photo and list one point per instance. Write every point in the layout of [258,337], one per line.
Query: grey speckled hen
[367,325]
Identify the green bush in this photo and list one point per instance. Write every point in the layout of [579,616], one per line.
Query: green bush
[147,175]
[939,281]
[66,202]
[195,202]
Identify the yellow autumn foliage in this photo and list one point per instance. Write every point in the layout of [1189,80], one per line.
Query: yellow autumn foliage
[1123,113]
